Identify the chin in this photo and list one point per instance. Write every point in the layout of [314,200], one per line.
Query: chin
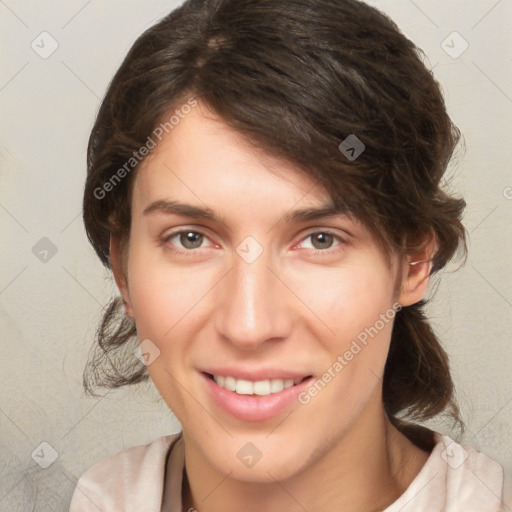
[255,458]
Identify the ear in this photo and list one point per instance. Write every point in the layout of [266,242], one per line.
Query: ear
[416,272]
[116,262]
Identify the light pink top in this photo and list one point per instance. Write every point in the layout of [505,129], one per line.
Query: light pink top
[455,478]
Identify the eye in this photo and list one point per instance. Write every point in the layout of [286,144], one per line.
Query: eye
[322,241]
[187,238]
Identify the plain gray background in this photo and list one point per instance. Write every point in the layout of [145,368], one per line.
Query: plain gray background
[51,301]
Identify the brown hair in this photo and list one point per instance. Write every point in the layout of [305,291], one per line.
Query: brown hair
[296,77]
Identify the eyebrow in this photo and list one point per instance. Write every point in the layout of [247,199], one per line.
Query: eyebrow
[198,212]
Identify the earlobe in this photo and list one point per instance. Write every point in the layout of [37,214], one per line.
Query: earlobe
[118,270]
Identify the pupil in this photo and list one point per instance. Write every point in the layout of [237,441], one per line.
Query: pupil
[191,239]
[322,238]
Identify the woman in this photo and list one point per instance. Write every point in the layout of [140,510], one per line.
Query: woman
[264,182]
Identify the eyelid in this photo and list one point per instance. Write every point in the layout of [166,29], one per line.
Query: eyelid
[313,231]
[306,234]
[187,229]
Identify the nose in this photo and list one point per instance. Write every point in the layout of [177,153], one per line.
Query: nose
[254,304]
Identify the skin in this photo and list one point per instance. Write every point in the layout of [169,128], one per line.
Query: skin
[291,309]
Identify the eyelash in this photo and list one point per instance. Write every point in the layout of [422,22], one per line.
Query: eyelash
[315,252]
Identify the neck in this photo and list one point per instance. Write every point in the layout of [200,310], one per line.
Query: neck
[367,469]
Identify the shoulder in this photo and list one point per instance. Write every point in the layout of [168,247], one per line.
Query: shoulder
[507,491]
[115,482]
[456,477]
[474,481]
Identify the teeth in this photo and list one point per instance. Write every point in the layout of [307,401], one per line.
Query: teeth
[260,387]
[244,387]
[229,383]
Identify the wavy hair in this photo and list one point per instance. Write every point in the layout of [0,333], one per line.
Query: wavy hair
[295,77]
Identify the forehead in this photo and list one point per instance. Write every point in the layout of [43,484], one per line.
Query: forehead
[222,179]
[203,161]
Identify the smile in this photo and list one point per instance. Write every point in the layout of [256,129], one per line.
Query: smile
[260,387]
[254,400]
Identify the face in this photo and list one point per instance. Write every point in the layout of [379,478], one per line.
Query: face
[257,296]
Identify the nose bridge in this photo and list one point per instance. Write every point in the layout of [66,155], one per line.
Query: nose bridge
[252,309]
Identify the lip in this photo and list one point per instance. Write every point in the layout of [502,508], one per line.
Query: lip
[254,375]
[253,408]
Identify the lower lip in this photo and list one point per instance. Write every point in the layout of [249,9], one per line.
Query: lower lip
[253,407]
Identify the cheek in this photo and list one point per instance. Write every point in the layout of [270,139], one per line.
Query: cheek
[167,304]
[347,300]
[158,305]
[166,300]
[350,302]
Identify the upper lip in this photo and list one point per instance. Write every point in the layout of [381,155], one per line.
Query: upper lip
[256,374]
